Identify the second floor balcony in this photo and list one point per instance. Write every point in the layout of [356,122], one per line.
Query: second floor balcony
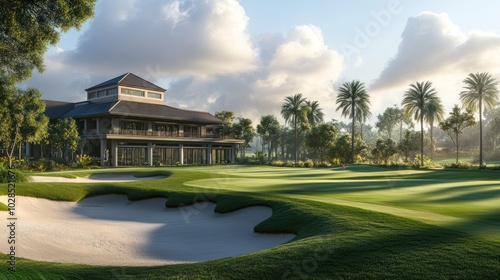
[157,134]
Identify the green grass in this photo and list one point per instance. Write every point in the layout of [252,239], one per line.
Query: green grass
[444,161]
[362,223]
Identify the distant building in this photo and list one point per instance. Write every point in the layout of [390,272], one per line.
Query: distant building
[126,123]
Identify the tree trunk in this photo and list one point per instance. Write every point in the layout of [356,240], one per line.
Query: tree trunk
[480,130]
[269,150]
[352,139]
[422,140]
[400,130]
[295,144]
[456,133]
[432,141]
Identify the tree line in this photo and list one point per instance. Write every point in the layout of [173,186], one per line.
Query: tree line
[306,135]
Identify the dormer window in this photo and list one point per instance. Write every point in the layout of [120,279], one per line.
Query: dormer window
[154,95]
[132,92]
[112,91]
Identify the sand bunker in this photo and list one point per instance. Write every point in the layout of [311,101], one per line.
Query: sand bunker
[111,230]
[95,178]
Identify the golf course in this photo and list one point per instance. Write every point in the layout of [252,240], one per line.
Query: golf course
[357,222]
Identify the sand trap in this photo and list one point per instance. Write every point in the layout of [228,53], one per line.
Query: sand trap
[111,230]
[95,178]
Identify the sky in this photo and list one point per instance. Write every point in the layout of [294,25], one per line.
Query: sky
[246,56]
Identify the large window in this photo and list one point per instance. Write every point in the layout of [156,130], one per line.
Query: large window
[133,128]
[154,95]
[101,93]
[165,130]
[92,95]
[132,156]
[165,156]
[132,92]
[192,131]
[195,156]
[221,155]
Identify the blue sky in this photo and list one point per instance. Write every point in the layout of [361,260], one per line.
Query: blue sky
[247,55]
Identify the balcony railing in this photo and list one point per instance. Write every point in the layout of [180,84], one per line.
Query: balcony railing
[160,134]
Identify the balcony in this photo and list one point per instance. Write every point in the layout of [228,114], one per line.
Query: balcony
[157,134]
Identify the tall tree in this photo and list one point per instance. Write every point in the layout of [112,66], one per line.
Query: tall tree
[409,143]
[320,139]
[64,137]
[480,91]
[244,130]
[314,113]
[434,112]
[294,110]
[492,118]
[267,130]
[228,118]
[416,103]
[28,27]
[355,104]
[456,123]
[388,120]
[22,118]
[384,149]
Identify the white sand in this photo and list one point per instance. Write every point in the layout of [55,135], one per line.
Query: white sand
[111,230]
[95,178]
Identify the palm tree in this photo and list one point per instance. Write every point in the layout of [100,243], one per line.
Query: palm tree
[294,109]
[355,104]
[479,88]
[435,112]
[314,113]
[416,103]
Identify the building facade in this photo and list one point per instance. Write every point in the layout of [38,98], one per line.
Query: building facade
[125,122]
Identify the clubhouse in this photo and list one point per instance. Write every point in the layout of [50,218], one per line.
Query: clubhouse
[125,122]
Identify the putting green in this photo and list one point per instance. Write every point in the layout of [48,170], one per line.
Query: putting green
[448,198]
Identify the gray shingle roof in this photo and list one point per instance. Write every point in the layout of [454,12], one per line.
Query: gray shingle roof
[129,109]
[164,112]
[55,109]
[90,109]
[128,79]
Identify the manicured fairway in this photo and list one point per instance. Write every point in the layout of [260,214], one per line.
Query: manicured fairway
[457,199]
[360,223]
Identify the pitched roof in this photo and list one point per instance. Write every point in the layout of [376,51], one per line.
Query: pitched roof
[138,110]
[128,79]
[145,110]
[55,109]
[88,109]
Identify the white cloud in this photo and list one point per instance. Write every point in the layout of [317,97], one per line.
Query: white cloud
[202,38]
[433,45]
[433,48]
[299,62]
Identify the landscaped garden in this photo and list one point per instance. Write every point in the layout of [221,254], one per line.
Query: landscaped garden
[354,223]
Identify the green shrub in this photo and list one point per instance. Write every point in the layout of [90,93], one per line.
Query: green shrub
[44,164]
[83,161]
[460,165]
[324,164]
[289,163]
[428,163]
[336,161]
[4,175]
[278,163]
[309,163]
